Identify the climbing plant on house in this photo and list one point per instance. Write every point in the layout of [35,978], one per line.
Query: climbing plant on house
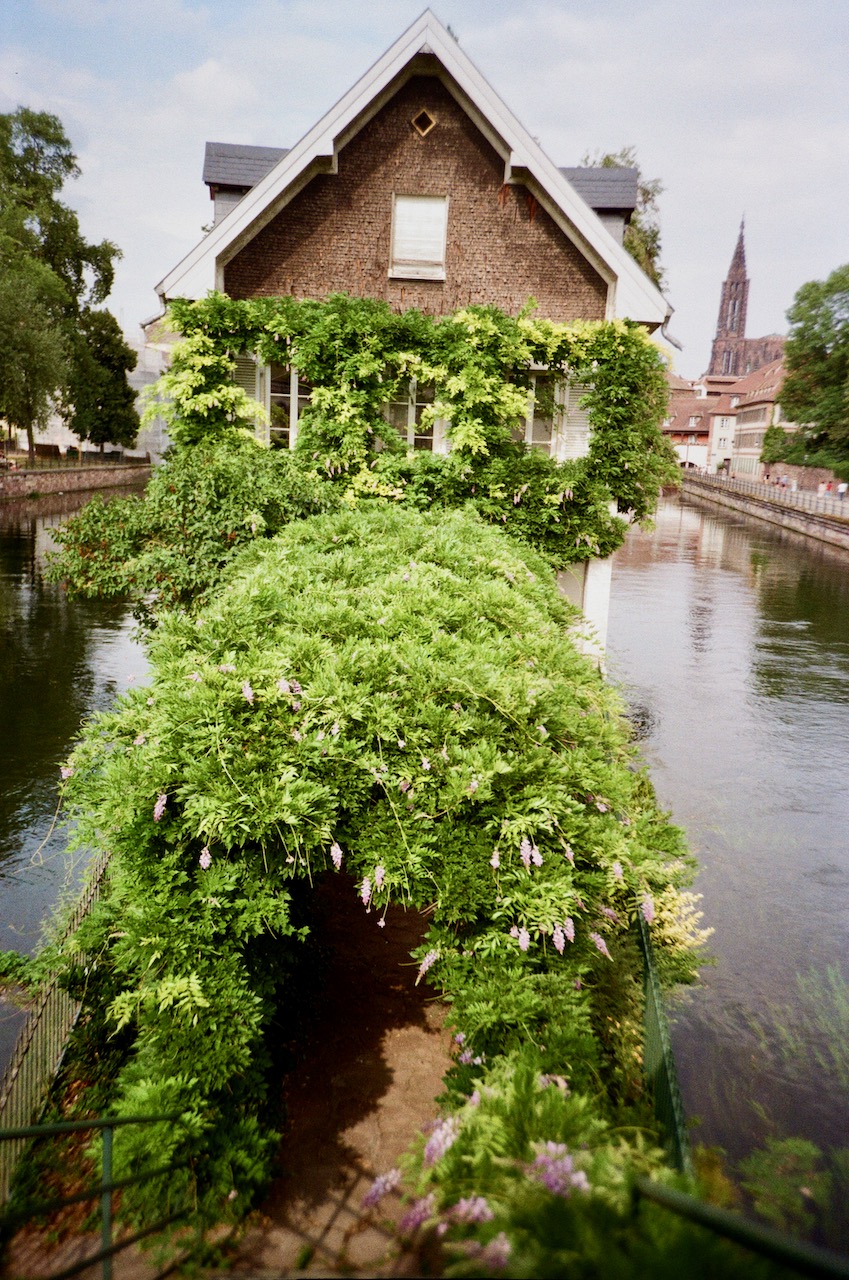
[358,355]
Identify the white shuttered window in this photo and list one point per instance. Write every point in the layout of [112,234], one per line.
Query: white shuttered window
[419,230]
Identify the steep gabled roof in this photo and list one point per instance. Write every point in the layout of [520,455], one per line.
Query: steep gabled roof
[228,164]
[604,189]
[630,292]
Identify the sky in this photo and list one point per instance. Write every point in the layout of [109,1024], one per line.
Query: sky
[739,107]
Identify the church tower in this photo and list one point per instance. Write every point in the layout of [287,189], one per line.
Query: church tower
[728,353]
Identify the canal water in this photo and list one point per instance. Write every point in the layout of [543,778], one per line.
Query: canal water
[730,640]
[59,662]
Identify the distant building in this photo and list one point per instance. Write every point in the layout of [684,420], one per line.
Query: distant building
[732,353]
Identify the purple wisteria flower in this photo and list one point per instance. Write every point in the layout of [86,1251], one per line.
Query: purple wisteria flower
[139,740]
[460,1037]
[474,784]
[524,939]
[599,941]
[610,913]
[495,860]
[425,763]
[403,785]
[647,908]
[472,1210]
[205,858]
[475,1098]
[382,1185]
[465,1058]
[558,938]
[67,771]
[429,960]
[536,856]
[226,668]
[379,875]
[569,928]
[247,691]
[555,1169]
[297,735]
[336,855]
[443,1136]
[159,807]
[617,871]
[365,892]
[401,744]
[283,685]
[196,676]
[334,729]
[417,1214]
[496,1254]
[569,854]
[525,852]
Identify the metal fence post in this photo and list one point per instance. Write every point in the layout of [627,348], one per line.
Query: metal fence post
[106,1203]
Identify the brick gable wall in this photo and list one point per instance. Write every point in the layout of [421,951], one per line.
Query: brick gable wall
[334,237]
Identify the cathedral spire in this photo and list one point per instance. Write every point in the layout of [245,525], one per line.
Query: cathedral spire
[729,343]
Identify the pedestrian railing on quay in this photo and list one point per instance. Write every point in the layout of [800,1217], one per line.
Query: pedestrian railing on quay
[659,1062]
[40,1047]
[783,496]
[102,1192]
[805,1259]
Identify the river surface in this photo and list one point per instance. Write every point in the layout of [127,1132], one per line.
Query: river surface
[60,661]
[730,640]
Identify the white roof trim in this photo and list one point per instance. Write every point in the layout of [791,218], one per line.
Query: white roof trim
[631,294]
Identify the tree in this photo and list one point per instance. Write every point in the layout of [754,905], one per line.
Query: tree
[816,389]
[34,345]
[50,276]
[104,403]
[642,235]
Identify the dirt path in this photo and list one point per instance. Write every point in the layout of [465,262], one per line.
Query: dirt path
[372,1058]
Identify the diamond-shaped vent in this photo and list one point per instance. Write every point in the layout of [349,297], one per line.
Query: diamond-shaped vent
[423,123]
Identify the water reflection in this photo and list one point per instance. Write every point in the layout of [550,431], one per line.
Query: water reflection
[732,641]
[61,661]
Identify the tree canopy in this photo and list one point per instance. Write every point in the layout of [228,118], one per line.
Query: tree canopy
[816,389]
[642,235]
[59,352]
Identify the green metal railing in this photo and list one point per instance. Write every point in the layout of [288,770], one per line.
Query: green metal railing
[805,1259]
[659,1063]
[40,1047]
[14,1216]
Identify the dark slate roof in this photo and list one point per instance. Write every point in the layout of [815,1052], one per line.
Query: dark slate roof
[605,189]
[229,164]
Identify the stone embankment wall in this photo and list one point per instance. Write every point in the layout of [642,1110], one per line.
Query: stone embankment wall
[23,483]
[832,529]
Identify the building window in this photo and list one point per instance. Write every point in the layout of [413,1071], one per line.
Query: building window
[288,396]
[556,422]
[406,413]
[419,233]
[283,393]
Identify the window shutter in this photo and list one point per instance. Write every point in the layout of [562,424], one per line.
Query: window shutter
[575,428]
[419,229]
[244,375]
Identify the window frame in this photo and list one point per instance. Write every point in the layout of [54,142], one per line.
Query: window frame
[416,268]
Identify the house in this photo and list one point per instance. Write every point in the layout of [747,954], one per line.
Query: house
[421,188]
[757,409]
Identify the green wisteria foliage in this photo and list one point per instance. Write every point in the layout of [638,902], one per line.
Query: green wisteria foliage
[391,696]
[358,672]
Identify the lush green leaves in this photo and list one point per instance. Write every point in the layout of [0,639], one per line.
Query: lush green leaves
[816,389]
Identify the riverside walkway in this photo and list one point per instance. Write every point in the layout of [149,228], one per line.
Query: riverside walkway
[824,517]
